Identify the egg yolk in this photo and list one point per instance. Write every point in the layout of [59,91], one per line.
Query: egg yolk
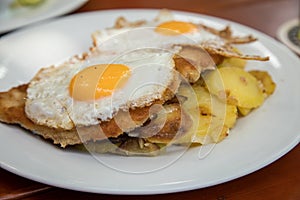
[176,28]
[98,81]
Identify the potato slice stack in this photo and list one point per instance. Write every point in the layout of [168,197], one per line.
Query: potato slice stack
[223,96]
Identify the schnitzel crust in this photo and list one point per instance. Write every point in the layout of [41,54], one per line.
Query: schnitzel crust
[12,105]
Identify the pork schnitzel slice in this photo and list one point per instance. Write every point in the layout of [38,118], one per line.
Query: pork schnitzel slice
[12,105]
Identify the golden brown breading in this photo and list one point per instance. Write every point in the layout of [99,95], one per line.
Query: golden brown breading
[12,105]
[12,111]
[121,22]
[226,50]
[192,60]
[226,34]
[168,126]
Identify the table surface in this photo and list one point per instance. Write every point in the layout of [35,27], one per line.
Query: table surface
[279,180]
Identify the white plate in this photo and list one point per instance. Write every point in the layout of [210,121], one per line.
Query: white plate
[257,140]
[11,19]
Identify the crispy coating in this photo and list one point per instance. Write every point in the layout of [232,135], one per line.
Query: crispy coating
[12,111]
[12,105]
[226,34]
[192,60]
[167,125]
[226,50]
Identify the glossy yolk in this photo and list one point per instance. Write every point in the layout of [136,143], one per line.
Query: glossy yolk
[98,81]
[176,28]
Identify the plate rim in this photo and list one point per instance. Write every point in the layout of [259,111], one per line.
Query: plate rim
[174,189]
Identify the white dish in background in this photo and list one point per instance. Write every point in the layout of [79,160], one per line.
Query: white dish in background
[11,19]
[256,141]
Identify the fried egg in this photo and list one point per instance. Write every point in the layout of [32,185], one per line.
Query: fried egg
[85,92]
[164,32]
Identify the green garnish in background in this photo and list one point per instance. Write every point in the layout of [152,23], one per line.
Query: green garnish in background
[27,3]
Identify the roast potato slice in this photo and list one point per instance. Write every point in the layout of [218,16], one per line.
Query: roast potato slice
[235,86]
[266,80]
[213,117]
[233,62]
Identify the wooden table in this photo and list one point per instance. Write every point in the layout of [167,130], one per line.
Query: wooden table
[280,180]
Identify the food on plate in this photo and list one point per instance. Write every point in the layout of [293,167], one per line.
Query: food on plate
[143,86]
